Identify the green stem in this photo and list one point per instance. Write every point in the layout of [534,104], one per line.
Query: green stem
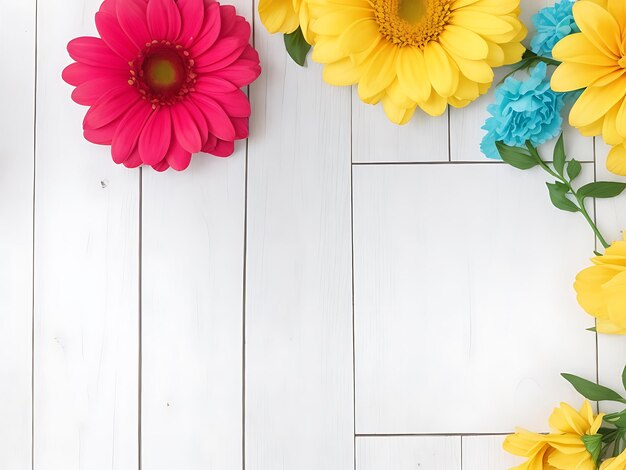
[581,203]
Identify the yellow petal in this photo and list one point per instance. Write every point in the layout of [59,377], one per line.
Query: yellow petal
[278,16]
[596,102]
[599,26]
[616,161]
[380,73]
[464,43]
[578,48]
[412,74]
[569,76]
[442,72]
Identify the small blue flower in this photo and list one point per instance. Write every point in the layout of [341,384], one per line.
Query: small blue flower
[552,25]
[524,111]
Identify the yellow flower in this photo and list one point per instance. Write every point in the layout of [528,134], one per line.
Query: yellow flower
[602,290]
[564,448]
[617,463]
[426,53]
[284,16]
[595,59]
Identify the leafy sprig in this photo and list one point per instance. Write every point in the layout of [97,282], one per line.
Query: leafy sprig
[297,47]
[563,194]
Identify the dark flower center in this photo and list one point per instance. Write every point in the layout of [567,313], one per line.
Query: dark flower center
[163,73]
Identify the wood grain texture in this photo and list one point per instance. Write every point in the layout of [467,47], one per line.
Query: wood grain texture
[17,48]
[192,312]
[463,276]
[486,453]
[298,304]
[192,315]
[376,139]
[611,217]
[408,453]
[86,274]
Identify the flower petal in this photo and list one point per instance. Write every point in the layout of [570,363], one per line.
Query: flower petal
[131,15]
[155,137]
[186,131]
[110,106]
[89,92]
[112,34]
[219,123]
[163,19]
[210,30]
[95,52]
[177,157]
[127,134]
[192,17]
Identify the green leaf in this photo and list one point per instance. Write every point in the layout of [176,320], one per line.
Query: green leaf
[558,196]
[591,390]
[616,419]
[515,156]
[559,156]
[297,47]
[624,377]
[592,329]
[602,189]
[573,169]
[593,444]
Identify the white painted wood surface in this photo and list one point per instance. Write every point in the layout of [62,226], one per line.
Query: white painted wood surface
[408,453]
[86,274]
[145,287]
[17,48]
[298,285]
[485,453]
[454,280]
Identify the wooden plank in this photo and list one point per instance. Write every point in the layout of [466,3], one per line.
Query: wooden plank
[486,453]
[408,453]
[192,270]
[462,275]
[86,273]
[299,313]
[611,218]
[192,315]
[376,139]
[17,48]
[466,123]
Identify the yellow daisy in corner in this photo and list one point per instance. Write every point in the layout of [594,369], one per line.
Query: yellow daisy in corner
[284,16]
[426,53]
[595,60]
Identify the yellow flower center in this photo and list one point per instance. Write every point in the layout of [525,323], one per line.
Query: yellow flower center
[411,22]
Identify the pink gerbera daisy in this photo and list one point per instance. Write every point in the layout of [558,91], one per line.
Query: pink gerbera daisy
[164,82]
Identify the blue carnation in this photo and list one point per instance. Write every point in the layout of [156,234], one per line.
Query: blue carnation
[552,24]
[524,111]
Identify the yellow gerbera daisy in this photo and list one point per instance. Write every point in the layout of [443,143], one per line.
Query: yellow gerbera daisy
[284,16]
[564,448]
[595,59]
[426,53]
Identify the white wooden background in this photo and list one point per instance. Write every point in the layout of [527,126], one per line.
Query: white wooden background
[340,294]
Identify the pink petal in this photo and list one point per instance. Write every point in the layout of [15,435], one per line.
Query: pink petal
[241,127]
[228,16]
[163,19]
[217,119]
[224,148]
[109,6]
[185,130]
[223,53]
[198,118]
[161,166]
[155,137]
[114,37]
[127,135]
[192,16]
[235,104]
[132,17]
[177,157]
[210,144]
[94,51]
[89,92]
[103,135]
[210,85]
[110,106]
[76,74]
[134,160]
[210,30]
[240,73]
